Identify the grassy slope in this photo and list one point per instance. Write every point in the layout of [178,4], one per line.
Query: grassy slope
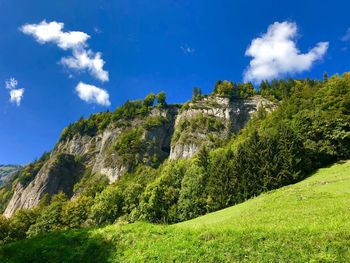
[308,221]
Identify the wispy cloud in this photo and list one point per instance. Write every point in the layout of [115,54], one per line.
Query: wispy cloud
[275,53]
[16,94]
[346,37]
[97,30]
[92,94]
[11,83]
[186,49]
[82,58]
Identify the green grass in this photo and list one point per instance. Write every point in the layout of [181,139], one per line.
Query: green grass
[305,222]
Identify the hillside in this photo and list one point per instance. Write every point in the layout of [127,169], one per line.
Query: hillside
[136,134]
[149,161]
[304,222]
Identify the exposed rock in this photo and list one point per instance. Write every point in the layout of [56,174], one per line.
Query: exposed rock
[58,175]
[163,133]
[233,113]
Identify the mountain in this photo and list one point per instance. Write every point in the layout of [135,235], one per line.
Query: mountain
[304,222]
[153,162]
[6,171]
[162,132]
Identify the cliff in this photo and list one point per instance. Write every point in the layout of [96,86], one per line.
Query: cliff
[149,139]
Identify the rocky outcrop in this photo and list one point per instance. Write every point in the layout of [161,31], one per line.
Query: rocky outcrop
[232,114]
[161,134]
[57,175]
[97,154]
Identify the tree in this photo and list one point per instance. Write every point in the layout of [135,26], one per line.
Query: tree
[325,77]
[76,211]
[196,93]
[192,198]
[149,100]
[159,201]
[221,181]
[20,223]
[108,206]
[161,98]
[51,217]
[223,88]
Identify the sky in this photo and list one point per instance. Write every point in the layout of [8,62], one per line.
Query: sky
[63,59]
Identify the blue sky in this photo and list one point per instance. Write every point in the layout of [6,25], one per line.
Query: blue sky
[149,46]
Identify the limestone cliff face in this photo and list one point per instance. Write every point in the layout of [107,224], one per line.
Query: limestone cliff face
[57,175]
[211,119]
[99,155]
[163,133]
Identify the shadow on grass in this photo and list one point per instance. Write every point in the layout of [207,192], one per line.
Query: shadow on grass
[68,246]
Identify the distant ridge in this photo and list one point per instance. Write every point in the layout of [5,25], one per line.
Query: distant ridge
[7,170]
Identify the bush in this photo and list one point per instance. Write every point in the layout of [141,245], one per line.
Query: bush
[76,212]
[108,206]
[50,218]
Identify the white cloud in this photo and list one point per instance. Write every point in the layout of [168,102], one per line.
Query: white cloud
[187,49]
[52,32]
[11,83]
[16,94]
[275,53]
[346,37]
[87,60]
[92,94]
[76,41]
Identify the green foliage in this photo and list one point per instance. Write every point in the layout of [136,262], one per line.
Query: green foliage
[50,218]
[76,212]
[91,184]
[159,200]
[6,192]
[277,89]
[108,206]
[233,90]
[306,222]
[20,223]
[149,100]
[154,121]
[198,124]
[28,173]
[192,199]
[100,121]
[161,98]
[90,126]
[309,129]
[130,110]
[196,93]
[129,146]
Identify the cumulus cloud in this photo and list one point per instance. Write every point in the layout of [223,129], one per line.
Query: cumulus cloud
[82,58]
[87,60]
[52,32]
[92,94]
[275,53]
[16,94]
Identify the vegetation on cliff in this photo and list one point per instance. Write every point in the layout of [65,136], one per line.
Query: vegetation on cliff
[310,129]
[305,222]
